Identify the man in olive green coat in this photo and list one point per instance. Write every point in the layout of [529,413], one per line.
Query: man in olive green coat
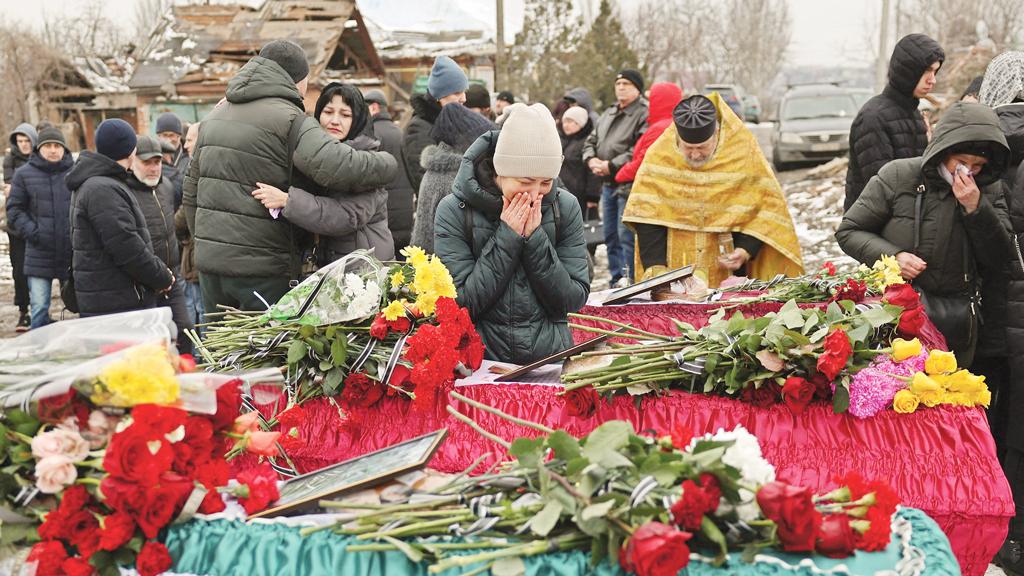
[246,254]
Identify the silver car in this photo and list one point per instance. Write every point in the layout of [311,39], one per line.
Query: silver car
[813,125]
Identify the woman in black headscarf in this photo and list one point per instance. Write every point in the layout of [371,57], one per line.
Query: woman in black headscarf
[342,220]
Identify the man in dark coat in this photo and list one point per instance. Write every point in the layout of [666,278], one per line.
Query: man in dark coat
[38,210]
[401,196]
[114,266]
[889,125]
[246,255]
[447,83]
[169,130]
[23,141]
[155,195]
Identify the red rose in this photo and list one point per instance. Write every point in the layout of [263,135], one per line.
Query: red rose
[153,559]
[400,378]
[792,510]
[822,386]
[902,295]
[118,529]
[212,503]
[797,393]
[82,530]
[129,457]
[74,498]
[581,402]
[49,557]
[836,538]
[77,566]
[229,404]
[361,391]
[837,352]
[764,396]
[656,549]
[153,420]
[911,322]
[162,505]
[56,409]
[688,511]
[260,488]
[400,324]
[379,327]
[712,489]
[123,496]
[472,354]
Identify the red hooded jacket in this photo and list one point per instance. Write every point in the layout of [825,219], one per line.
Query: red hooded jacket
[664,97]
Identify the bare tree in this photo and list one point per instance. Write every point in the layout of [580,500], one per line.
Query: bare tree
[25,62]
[147,15]
[89,32]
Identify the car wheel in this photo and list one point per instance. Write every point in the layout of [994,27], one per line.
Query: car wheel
[780,166]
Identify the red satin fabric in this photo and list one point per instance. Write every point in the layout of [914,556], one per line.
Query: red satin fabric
[941,460]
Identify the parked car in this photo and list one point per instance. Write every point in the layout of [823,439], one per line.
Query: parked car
[813,125]
[732,94]
[751,109]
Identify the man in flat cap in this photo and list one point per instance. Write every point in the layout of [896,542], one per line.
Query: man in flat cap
[706,196]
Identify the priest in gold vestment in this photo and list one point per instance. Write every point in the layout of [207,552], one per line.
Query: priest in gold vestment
[706,196]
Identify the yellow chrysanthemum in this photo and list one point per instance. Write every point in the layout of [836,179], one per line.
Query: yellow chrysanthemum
[982,397]
[144,375]
[903,349]
[905,402]
[940,362]
[394,310]
[886,272]
[432,281]
[397,279]
[414,255]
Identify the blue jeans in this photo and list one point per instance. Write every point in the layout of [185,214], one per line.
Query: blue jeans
[617,238]
[194,303]
[39,292]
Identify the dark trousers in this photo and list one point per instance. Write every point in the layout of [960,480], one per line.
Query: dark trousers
[16,246]
[175,300]
[1013,466]
[240,291]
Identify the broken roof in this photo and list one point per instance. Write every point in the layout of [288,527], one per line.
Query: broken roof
[196,49]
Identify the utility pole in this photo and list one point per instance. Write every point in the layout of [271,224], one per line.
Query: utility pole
[881,63]
[499,55]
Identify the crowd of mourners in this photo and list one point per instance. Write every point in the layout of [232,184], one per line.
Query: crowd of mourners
[232,210]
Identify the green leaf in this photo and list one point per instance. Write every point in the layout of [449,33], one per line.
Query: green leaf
[878,316]
[508,566]
[317,345]
[607,438]
[834,313]
[599,510]
[593,477]
[711,532]
[546,519]
[414,555]
[568,501]
[306,331]
[790,315]
[333,381]
[599,550]
[297,351]
[528,451]
[575,466]
[325,366]
[564,445]
[339,350]
[621,361]
[859,333]
[840,400]
[595,527]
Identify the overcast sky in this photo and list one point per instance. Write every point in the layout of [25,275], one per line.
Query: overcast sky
[824,31]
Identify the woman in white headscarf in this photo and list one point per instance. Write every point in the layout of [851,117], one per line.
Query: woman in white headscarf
[1003,294]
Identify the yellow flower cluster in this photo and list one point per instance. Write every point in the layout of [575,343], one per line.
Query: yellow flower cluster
[885,273]
[144,375]
[942,383]
[394,310]
[431,279]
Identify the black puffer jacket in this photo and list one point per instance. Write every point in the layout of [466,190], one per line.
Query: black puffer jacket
[157,205]
[114,265]
[1015,313]
[417,135]
[889,125]
[400,190]
[575,175]
[38,210]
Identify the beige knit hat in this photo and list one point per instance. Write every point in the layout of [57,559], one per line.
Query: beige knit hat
[577,114]
[528,144]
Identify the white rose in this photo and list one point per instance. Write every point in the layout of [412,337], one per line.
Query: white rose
[54,473]
[60,442]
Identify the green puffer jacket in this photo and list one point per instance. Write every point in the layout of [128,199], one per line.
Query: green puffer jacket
[881,222]
[518,290]
[244,141]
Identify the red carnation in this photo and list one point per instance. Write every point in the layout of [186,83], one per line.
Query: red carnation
[259,485]
[712,489]
[656,549]
[291,418]
[82,531]
[681,436]
[792,509]
[797,393]
[836,537]
[379,327]
[118,529]
[837,352]
[212,503]
[361,391]
[153,559]
[400,324]
[764,396]
[902,295]
[77,566]
[688,511]
[49,557]
[829,268]
[853,290]
[581,402]
[229,404]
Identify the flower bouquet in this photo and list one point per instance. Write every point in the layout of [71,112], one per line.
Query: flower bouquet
[826,285]
[794,355]
[653,503]
[357,331]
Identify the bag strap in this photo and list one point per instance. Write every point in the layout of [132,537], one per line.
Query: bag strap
[918,208]
[467,220]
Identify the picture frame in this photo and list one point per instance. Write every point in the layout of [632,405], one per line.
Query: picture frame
[304,492]
[513,375]
[623,294]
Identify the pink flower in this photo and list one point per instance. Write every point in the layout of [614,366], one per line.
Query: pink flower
[248,422]
[60,442]
[263,443]
[54,473]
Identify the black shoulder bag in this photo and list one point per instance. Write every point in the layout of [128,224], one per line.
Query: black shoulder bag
[956,316]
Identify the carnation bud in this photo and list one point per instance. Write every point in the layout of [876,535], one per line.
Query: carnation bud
[867,500]
[861,526]
[858,512]
[837,495]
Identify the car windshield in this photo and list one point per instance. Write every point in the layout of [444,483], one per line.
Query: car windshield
[834,106]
